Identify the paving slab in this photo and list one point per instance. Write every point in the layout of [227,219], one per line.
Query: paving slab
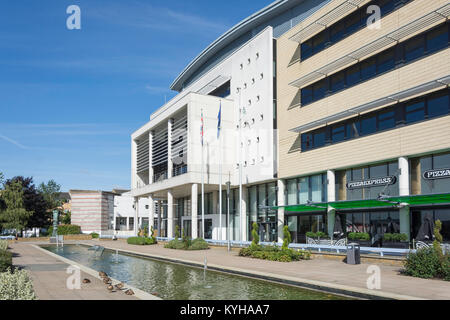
[49,276]
[323,271]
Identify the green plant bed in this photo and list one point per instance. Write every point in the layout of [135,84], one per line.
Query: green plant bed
[65,229]
[95,235]
[274,253]
[187,244]
[317,235]
[141,241]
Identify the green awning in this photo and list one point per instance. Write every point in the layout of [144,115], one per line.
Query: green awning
[386,202]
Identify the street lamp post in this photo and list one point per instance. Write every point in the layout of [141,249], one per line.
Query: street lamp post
[228,215]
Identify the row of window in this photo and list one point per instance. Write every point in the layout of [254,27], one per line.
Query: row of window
[405,113]
[406,52]
[302,190]
[345,27]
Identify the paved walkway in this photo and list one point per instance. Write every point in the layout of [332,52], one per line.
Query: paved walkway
[334,273]
[49,277]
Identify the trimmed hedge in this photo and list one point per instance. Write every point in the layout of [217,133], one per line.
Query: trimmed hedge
[5,260]
[141,241]
[95,235]
[317,235]
[363,236]
[65,229]
[274,253]
[395,237]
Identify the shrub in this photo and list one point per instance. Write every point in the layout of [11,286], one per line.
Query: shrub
[141,241]
[3,245]
[363,236]
[425,263]
[317,235]
[16,285]
[198,244]
[65,229]
[255,235]
[273,253]
[395,237]
[287,239]
[95,235]
[5,260]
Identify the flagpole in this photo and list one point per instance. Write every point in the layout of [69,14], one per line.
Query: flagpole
[240,165]
[220,170]
[203,183]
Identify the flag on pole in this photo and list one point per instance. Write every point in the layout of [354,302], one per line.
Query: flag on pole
[201,129]
[219,117]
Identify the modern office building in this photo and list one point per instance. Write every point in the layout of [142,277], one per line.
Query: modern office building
[322,117]
[363,118]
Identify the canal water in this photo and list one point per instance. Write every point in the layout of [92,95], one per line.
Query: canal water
[178,282]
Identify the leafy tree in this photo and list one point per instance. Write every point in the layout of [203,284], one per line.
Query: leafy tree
[15,216]
[66,218]
[51,193]
[33,201]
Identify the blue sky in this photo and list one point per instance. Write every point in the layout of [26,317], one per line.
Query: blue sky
[70,99]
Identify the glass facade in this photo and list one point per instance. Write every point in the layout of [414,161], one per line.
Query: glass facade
[259,197]
[418,217]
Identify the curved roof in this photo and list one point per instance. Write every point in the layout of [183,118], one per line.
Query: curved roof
[235,32]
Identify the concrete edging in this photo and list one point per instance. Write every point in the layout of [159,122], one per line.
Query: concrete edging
[299,282]
[142,295]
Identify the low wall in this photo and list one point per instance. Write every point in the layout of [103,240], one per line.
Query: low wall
[73,237]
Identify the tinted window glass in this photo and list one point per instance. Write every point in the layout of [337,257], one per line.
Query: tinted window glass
[306,95]
[368,125]
[438,105]
[353,129]
[319,90]
[352,75]
[338,133]
[415,112]
[386,61]
[386,120]
[337,32]
[437,39]
[319,139]
[414,49]
[306,48]
[368,69]
[306,141]
[386,6]
[338,81]
[353,22]
[319,41]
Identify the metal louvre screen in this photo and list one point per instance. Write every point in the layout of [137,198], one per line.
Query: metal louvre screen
[179,139]
[160,147]
[143,156]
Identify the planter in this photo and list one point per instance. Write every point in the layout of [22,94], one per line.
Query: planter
[396,244]
[362,243]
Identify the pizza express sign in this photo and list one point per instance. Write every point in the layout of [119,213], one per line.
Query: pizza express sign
[376,182]
[436,174]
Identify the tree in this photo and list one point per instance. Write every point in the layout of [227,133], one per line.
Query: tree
[33,201]
[287,238]
[15,216]
[255,235]
[51,193]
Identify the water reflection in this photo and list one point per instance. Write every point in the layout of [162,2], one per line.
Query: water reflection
[177,282]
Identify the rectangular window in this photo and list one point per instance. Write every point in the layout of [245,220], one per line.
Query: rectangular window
[292,192]
[319,90]
[438,105]
[386,61]
[414,48]
[353,129]
[306,141]
[353,22]
[307,95]
[386,120]
[303,190]
[338,133]
[353,75]
[319,139]
[437,39]
[415,112]
[338,82]
[368,125]
[306,49]
[368,69]
[319,41]
[386,6]
[337,32]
